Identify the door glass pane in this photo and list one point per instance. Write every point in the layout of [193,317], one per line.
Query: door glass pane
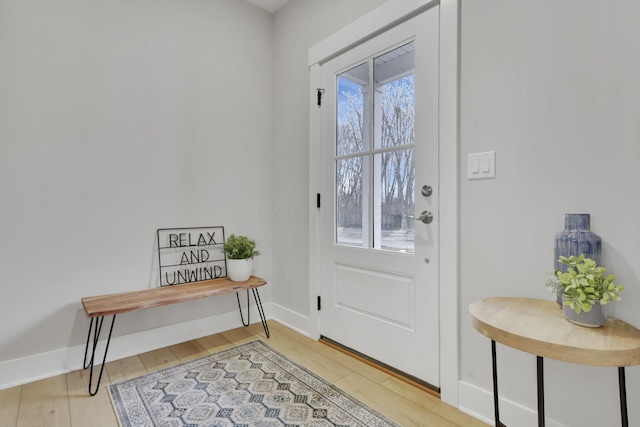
[350,217]
[394,120]
[353,105]
[375,125]
[397,113]
[394,100]
[395,170]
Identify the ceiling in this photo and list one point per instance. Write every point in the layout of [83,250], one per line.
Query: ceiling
[269,5]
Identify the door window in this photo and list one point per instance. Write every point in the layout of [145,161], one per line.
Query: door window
[374,160]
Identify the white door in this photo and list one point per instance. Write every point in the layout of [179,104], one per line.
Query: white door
[379,173]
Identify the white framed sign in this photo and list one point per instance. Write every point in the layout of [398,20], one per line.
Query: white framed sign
[191,254]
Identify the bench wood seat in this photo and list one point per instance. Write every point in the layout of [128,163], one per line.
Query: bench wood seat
[126,302]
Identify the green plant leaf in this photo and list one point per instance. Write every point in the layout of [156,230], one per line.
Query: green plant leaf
[584,283]
[240,247]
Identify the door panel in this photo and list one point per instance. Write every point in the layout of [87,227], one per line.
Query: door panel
[379,146]
[379,295]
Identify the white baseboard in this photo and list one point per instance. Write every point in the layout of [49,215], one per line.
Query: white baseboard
[45,365]
[478,403]
[291,319]
[37,367]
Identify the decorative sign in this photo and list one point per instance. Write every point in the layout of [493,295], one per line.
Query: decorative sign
[190,254]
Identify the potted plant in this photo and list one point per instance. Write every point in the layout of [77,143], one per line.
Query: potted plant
[240,251]
[585,290]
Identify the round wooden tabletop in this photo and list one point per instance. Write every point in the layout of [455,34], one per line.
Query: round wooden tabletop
[539,327]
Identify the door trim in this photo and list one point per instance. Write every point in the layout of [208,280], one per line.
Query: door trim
[388,15]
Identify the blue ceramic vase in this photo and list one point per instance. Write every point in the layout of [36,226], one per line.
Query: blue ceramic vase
[576,239]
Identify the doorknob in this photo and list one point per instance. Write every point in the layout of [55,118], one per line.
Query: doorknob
[426,190]
[426,217]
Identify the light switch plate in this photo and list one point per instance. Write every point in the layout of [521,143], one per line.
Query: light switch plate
[481,165]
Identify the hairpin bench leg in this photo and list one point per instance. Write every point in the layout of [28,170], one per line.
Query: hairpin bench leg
[248,311]
[97,328]
[256,297]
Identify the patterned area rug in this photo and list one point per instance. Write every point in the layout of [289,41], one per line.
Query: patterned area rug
[249,385]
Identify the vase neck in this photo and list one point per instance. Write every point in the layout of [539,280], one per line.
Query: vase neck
[580,222]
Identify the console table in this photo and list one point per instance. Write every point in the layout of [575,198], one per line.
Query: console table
[538,327]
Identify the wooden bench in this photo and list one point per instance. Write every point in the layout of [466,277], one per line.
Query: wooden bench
[111,305]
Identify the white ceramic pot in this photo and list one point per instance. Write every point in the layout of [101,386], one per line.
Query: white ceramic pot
[239,270]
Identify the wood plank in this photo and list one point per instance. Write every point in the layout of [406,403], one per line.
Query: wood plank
[125,302]
[431,403]
[258,330]
[158,359]
[374,374]
[239,335]
[394,406]
[378,366]
[10,399]
[45,403]
[95,411]
[321,365]
[539,327]
[189,350]
[125,369]
[215,343]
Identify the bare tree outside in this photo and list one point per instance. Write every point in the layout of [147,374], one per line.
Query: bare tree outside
[349,179]
[395,137]
[397,166]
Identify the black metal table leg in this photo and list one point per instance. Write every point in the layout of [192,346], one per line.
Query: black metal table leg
[540,370]
[256,297]
[623,397]
[97,328]
[540,386]
[495,385]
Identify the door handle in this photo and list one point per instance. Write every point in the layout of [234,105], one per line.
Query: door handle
[426,217]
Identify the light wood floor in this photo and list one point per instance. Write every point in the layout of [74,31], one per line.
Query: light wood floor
[63,401]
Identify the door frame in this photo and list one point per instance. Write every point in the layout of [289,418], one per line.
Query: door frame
[388,15]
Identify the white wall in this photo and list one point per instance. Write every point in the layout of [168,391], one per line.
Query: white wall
[553,88]
[119,118]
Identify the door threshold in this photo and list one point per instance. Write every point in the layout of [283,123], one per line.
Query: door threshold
[396,373]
